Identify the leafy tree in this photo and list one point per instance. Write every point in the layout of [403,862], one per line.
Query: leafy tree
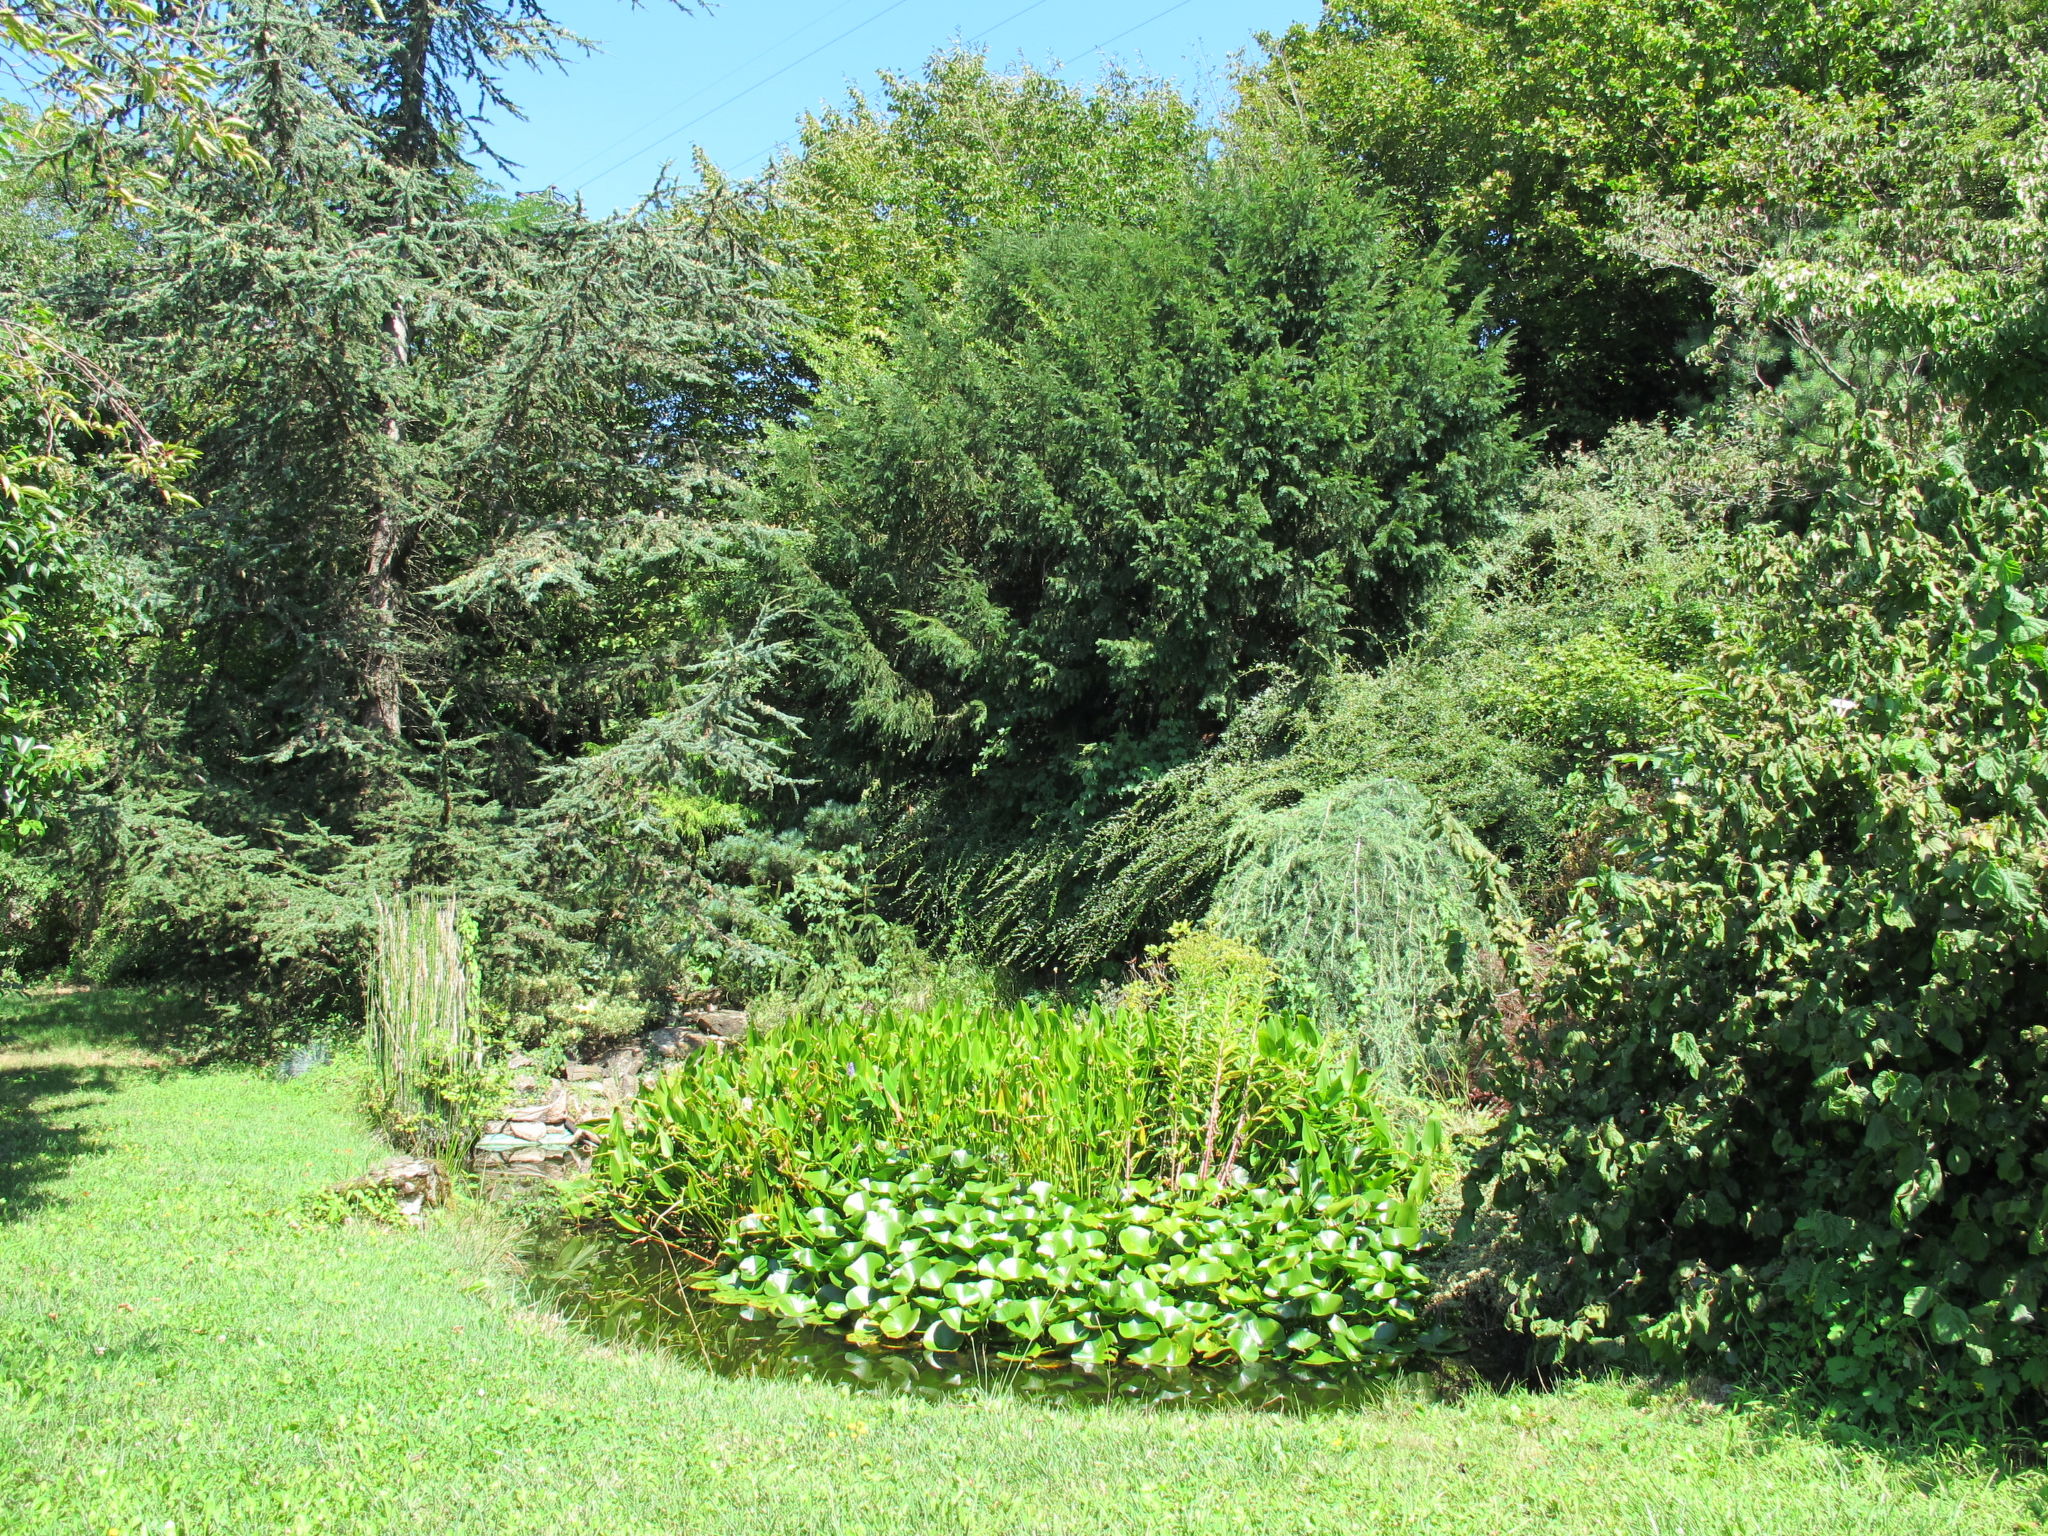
[882,201]
[1883,246]
[1517,132]
[67,424]
[78,71]
[74,448]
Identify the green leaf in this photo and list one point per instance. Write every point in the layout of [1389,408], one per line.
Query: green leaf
[1137,1241]
[898,1320]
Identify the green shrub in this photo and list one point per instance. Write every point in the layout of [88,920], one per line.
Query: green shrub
[1363,905]
[1096,498]
[1156,1274]
[1782,1107]
[1592,696]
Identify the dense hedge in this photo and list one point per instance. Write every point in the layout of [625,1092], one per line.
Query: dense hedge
[1786,1105]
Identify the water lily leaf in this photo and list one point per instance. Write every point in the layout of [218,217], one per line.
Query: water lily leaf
[1246,1343]
[898,1319]
[882,1228]
[934,1273]
[864,1270]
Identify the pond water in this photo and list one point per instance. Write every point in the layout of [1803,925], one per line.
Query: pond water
[625,1293]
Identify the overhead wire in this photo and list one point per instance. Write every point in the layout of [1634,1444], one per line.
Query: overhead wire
[997,27]
[705,90]
[741,95]
[1178,5]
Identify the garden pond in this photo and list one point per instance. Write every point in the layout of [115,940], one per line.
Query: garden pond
[632,1294]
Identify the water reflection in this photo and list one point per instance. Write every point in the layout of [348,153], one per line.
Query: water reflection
[624,1293]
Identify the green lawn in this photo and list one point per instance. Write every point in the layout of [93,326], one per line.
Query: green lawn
[180,1353]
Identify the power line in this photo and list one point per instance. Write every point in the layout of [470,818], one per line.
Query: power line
[1179,5]
[702,91]
[997,27]
[741,95]
[985,31]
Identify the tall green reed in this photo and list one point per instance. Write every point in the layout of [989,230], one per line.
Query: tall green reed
[420,995]
[1201,1083]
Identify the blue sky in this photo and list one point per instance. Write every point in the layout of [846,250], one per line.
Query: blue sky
[736,79]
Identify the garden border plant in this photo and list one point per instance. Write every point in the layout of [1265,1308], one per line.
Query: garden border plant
[1184,1177]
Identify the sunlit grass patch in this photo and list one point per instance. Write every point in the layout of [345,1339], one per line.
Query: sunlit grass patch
[178,1351]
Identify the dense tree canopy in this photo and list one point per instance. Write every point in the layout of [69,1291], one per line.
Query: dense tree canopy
[1129,471]
[881,202]
[1517,133]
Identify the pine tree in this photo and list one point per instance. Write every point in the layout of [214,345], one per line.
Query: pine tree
[426,413]
[458,511]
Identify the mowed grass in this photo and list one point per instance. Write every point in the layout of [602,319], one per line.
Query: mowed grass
[180,1352]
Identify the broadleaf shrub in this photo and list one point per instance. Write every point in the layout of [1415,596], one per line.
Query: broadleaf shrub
[1784,1104]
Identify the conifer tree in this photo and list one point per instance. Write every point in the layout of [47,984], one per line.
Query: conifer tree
[456,514]
[425,412]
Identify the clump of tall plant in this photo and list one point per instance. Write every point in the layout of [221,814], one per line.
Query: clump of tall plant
[420,1023]
[1193,1076]
[1183,1175]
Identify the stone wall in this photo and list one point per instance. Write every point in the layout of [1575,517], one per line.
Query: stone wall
[549,1131]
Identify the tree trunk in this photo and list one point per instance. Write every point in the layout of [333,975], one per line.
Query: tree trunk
[412,145]
[385,573]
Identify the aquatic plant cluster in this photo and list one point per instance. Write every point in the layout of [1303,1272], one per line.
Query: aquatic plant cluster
[1156,1275]
[1182,1176]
